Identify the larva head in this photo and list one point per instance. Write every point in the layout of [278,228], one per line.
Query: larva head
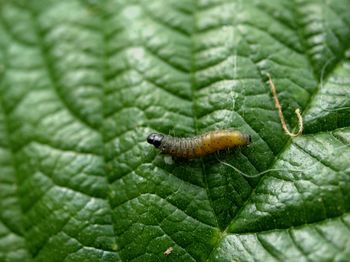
[155,139]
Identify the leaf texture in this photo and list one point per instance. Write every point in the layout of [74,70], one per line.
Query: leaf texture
[82,84]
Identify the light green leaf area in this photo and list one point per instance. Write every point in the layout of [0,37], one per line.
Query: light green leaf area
[82,84]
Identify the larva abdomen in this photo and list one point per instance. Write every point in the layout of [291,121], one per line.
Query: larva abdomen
[199,145]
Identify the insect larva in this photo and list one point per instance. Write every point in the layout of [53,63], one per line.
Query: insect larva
[197,146]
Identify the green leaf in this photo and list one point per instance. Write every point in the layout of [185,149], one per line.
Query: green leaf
[82,84]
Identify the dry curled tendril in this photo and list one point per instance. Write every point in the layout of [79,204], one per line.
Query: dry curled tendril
[280,112]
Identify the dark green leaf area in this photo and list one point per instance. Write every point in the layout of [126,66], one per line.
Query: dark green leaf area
[84,82]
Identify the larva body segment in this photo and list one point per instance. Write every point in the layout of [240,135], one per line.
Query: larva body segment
[198,146]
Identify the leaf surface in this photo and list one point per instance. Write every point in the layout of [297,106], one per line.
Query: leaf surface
[82,84]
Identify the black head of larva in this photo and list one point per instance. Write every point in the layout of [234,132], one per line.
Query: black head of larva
[155,139]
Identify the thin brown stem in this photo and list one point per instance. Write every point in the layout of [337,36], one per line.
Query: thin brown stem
[280,112]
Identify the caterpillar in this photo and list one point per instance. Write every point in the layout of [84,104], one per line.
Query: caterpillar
[197,146]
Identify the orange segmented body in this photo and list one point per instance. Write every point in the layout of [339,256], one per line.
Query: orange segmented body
[197,146]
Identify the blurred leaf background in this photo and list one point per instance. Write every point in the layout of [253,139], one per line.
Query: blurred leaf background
[82,84]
